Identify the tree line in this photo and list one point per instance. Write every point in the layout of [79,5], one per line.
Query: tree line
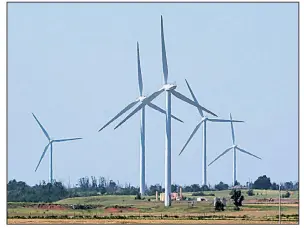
[19,191]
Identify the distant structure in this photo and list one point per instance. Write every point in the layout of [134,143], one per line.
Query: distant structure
[169,89]
[51,141]
[234,147]
[174,196]
[143,101]
[203,121]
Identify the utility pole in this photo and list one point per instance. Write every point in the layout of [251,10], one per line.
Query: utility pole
[280,203]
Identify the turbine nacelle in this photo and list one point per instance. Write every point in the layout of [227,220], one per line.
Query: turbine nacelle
[141,98]
[204,119]
[168,87]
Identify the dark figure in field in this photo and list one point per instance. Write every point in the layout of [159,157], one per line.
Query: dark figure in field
[237,198]
[219,204]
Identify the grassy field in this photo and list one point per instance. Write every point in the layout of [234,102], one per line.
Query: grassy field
[130,221]
[126,210]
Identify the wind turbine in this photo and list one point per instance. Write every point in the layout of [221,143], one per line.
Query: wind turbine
[141,99]
[204,122]
[170,89]
[234,147]
[51,141]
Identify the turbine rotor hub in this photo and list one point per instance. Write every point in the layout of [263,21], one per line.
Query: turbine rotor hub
[169,87]
[141,98]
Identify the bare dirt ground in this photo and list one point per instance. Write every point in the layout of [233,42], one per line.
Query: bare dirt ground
[130,221]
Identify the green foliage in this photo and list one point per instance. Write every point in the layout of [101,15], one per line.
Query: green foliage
[286,195]
[138,196]
[21,192]
[219,206]
[198,194]
[202,194]
[250,192]
[237,198]
[221,186]
[205,188]
[274,186]
[263,182]
[236,183]
[153,189]
[288,185]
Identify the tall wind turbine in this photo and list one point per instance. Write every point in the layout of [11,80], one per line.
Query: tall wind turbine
[141,99]
[204,123]
[51,141]
[234,147]
[170,89]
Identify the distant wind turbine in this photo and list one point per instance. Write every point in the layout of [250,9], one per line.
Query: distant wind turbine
[142,100]
[51,141]
[234,147]
[204,122]
[170,89]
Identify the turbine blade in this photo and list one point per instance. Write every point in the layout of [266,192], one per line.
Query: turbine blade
[220,155]
[194,98]
[140,82]
[191,136]
[63,140]
[162,111]
[120,113]
[232,130]
[45,149]
[164,56]
[144,102]
[224,120]
[44,131]
[246,152]
[186,99]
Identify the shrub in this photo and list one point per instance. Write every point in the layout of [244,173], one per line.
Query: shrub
[286,195]
[198,194]
[138,196]
[250,192]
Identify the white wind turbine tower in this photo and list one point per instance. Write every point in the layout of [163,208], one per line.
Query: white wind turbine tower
[170,89]
[234,147]
[51,141]
[140,99]
[204,122]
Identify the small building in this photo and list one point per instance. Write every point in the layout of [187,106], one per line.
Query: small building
[174,196]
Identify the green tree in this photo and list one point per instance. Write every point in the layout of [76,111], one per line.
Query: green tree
[263,182]
[195,188]
[237,199]
[236,183]
[274,186]
[221,186]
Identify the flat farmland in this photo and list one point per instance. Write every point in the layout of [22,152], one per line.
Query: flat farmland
[136,221]
[109,209]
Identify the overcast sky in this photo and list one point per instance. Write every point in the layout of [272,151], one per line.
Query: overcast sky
[74,66]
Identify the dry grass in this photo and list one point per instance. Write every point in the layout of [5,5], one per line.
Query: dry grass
[130,221]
